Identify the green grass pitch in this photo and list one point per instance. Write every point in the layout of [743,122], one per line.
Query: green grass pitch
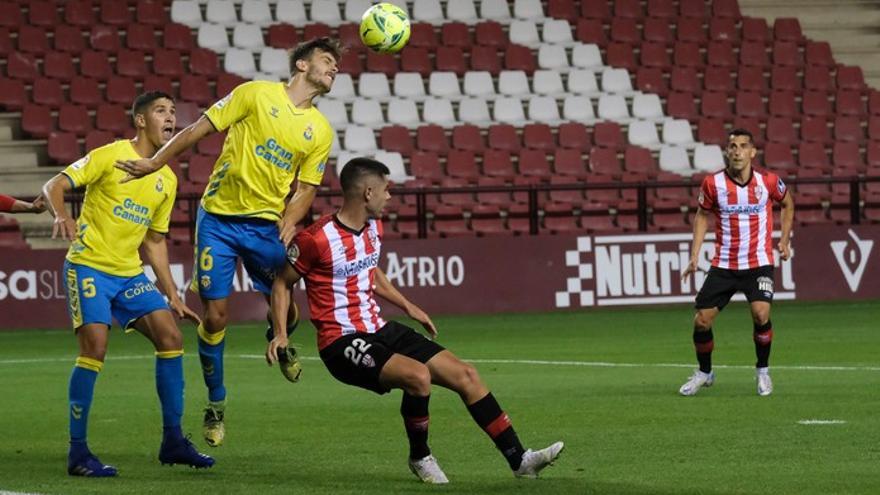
[603,381]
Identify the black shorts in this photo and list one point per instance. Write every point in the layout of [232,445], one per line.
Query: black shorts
[358,358]
[721,284]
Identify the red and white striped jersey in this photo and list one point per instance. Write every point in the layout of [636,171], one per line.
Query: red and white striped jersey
[338,265]
[743,218]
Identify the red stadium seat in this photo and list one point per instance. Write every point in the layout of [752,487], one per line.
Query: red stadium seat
[849,102]
[850,77]
[187,113]
[488,33]
[787,53]
[32,39]
[47,92]
[573,196]
[22,66]
[753,53]
[456,200]
[638,159]
[662,9]
[621,55]
[178,37]
[79,13]
[112,118]
[595,9]
[131,64]
[455,34]
[104,38]
[782,104]
[814,191]
[602,196]
[96,139]
[815,129]
[712,131]
[692,8]
[688,55]
[690,29]
[724,29]
[819,53]
[85,91]
[873,128]
[848,128]
[350,37]
[69,39]
[158,83]
[816,103]
[847,155]
[13,96]
[227,82]
[873,155]
[317,30]
[385,64]
[604,161]
[422,35]
[569,162]
[625,30]
[197,90]
[504,137]
[534,163]
[63,148]
[787,29]
[651,80]
[140,37]
[200,168]
[591,31]
[685,79]
[415,59]
[462,164]
[497,163]
[482,58]
[751,79]
[96,65]
[37,121]
[205,62]
[114,13]
[283,36]
[351,63]
[426,165]
[753,125]
[750,104]
[432,138]
[75,119]
[467,137]
[755,29]
[654,55]
[211,145]
[726,8]
[718,79]
[785,78]
[6,46]
[168,63]
[121,90]
[609,135]
[539,137]
[817,78]
[451,59]
[681,105]
[715,104]
[396,138]
[781,130]
[151,13]
[518,57]
[658,31]
[812,155]
[778,157]
[628,8]
[40,13]
[574,135]
[562,9]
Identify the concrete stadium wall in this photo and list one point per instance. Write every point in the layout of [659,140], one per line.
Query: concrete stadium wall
[508,274]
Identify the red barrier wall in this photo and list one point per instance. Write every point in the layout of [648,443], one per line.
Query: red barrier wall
[509,274]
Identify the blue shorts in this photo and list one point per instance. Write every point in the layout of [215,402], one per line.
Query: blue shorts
[94,296]
[221,240]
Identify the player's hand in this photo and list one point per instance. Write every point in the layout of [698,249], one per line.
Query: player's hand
[39,205]
[135,168]
[183,311]
[416,313]
[689,269]
[784,250]
[280,342]
[286,230]
[64,227]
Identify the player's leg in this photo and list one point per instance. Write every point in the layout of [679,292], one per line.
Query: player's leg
[759,292]
[214,268]
[159,326]
[450,372]
[88,304]
[717,289]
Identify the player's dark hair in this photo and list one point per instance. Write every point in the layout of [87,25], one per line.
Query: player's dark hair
[305,50]
[741,132]
[143,101]
[357,169]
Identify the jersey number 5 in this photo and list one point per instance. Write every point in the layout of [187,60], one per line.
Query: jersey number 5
[355,351]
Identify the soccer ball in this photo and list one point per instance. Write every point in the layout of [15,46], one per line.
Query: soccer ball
[385,28]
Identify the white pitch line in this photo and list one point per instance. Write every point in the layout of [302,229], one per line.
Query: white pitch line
[536,362]
[821,422]
[4,492]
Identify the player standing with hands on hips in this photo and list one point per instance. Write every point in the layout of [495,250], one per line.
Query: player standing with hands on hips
[741,199]
[338,257]
[275,135]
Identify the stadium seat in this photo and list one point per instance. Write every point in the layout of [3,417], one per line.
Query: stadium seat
[782,104]
[651,80]
[818,53]
[367,112]
[256,12]
[708,158]
[334,111]
[654,55]
[590,31]
[426,165]
[534,163]
[582,81]
[613,107]
[574,136]
[715,104]
[815,129]
[467,137]
[749,104]
[717,79]
[781,130]
[849,102]
[569,162]
[221,12]
[544,109]
[538,136]
[104,38]
[657,30]
[848,128]
[213,37]
[427,11]
[13,95]
[577,109]
[549,57]
[291,12]
[385,64]
[394,162]
[524,32]
[528,9]
[282,36]
[677,132]
[682,105]
[498,163]
[778,157]
[688,55]
[675,159]
[397,138]
[373,85]
[40,13]
[248,36]
[417,60]
[461,10]
[815,103]
[79,13]
[847,155]
[32,39]
[86,92]
[604,161]
[489,33]
[503,137]
[96,139]
[513,83]
[211,145]
[186,12]
[647,106]
[616,81]
[787,53]
[438,111]
[22,66]
[432,138]
[586,56]
[711,131]
[151,13]
[410,85]
[508,110]
[113,118]
[359,139]
[643,133]
[47,92]
[141,37]
[621,55]
[63,148]
[240,61]
[74,119]
[462,164]
[474,110]
[625,30]
[562,9]
[753,54]
[608,135]
[451,59]
[817,78]
[37,121]
[850,78]
[639,160]
[547,82]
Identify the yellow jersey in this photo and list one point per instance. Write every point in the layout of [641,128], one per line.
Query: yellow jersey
[270,143]
[115,217]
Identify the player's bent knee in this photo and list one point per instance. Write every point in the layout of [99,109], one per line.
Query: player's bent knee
[418,381]
[169,339]
[702,322]
[469,377]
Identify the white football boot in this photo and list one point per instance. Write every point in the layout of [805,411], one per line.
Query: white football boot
[765,384]
[428,470]
[697,381]
[534,461]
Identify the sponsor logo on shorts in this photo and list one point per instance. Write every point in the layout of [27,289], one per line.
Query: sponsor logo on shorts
[139,289]
[367,361]
[765,285]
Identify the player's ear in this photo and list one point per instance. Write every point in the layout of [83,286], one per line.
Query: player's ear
[302,65]
[139,121]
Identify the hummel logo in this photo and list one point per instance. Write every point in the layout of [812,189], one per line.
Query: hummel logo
[76,411]
[274,112]
[852,258]
[208,369]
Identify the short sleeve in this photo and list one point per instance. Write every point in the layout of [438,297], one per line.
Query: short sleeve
[708,195]
[312,169]
[88,169]
[232,107]
[303,253]
[162,217]
[776,187]
[6,203]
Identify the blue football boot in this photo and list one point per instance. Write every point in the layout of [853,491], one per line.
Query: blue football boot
[88,465]
[182,451]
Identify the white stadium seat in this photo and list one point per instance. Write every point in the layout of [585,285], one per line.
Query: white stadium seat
[528,9]
[582,81]
[578,109]
[274,61]
[613,107]
[240,61]
[552,57]
[524,32]
[643,133]
[367,112]
[373,85]
[647,106]
[403,111]
[427,11]
[354,10]
[478,83]
[186,12]
[438,111]
[547,82]
[256,12]
[543,109]
[343,87]
[248,36]
[409,84]
[586,56]
[675,159]
[461,10]
[513,83]
[335,112]
[444,84]
[359,139]
[495,10]
[221,12]
[213,37]
[556,31]
[509,110]
[291,12]
[394,161]
[677,131]
[325,12]
[616,81]
[474,110]
[708,158]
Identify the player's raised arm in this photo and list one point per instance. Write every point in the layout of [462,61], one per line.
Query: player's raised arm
[54,190]
[281,286]
[385,289]
[181,142]
[296,210]
[787,217]
[156,252]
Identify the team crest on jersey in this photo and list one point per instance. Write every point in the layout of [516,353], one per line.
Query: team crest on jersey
[373,236]
[159,185]
[81,162]
[759,191]
[780,186]
[700,198]
[274,112]
[205,281]
[308,133]
[223,101]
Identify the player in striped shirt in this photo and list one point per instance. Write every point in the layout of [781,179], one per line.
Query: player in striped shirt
[741,200]
[8,204]
[338,257]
